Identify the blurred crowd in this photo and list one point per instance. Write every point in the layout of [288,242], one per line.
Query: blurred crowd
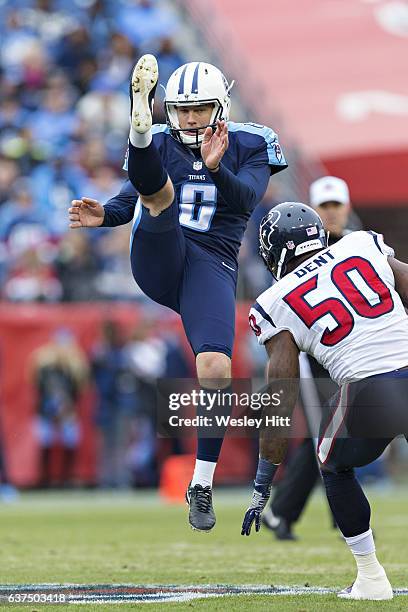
[64,74]
[111,391]
[64,79]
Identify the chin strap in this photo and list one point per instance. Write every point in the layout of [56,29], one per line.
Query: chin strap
[280,263]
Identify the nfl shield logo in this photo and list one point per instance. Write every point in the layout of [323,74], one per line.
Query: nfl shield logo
[290,245]
[197,165]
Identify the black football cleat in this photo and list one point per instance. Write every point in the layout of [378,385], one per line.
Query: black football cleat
[201,515]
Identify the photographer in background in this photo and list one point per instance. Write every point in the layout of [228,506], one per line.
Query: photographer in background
[60,371]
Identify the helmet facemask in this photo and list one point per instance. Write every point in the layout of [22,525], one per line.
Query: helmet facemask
[179,134]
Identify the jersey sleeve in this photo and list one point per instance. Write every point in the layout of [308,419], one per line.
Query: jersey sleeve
[261,323]
[269,316]
[381,245]
[120,209]
[262,145]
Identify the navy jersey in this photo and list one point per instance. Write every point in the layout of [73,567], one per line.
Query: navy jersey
[214,208]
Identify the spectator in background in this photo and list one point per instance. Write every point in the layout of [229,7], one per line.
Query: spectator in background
[52,183]
[116,63]
[8,175]
[330,196]
[76,267]
[72,51]
[144,22]
[63,126]
[152,355]
[114,386]
[114,275]
[124,373]
[59,373]
[32,278]
[54,122]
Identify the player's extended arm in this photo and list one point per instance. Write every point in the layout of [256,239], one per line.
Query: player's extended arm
[243,191]
[400,271]
[120,209]
[283,378]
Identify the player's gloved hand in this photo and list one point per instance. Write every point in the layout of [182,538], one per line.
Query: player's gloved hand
[259,500]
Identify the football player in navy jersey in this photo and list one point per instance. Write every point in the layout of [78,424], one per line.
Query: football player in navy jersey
[192,186]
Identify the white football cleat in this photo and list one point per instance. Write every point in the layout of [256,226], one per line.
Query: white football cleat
[143,87]
[378,588]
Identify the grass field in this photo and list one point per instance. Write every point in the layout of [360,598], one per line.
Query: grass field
[135,539]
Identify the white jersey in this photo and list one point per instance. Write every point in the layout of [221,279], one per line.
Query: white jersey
[342,308]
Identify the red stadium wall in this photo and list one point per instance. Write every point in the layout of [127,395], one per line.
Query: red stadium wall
[23,328]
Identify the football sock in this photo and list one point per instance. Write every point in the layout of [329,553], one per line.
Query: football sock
[363,548]
[203,473]
[362,544]
[209,448]
[145,169]
[140,140]
[348,503]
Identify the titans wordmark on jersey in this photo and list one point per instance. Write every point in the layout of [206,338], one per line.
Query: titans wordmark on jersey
[205,216]
[342,308]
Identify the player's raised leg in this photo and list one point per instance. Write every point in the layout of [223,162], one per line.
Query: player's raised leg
[145,167]
[352,512]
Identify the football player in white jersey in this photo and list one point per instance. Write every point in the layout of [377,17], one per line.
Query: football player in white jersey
[344,305]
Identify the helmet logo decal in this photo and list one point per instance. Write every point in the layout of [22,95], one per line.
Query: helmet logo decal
[311,231]
[181,84]
[272,219]
[290,245]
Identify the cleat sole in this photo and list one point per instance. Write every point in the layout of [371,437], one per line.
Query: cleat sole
[144,80]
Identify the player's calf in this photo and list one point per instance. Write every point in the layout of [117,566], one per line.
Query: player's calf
[352,512]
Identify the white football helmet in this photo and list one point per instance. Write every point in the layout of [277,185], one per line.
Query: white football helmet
[196,83]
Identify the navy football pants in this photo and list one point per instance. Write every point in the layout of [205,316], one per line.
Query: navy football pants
[365,417]
[178,273]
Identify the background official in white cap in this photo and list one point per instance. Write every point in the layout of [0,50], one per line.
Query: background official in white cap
[331,197]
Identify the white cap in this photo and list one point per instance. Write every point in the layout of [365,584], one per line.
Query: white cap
[329,189]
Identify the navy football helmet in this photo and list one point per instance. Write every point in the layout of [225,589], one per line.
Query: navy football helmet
[287,231]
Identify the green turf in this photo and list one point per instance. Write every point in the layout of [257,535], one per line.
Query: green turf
[93,538]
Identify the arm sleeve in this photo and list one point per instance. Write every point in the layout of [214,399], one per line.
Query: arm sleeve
[262,156]
[380,244]
[243,191]
[264,326]
[120,209]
